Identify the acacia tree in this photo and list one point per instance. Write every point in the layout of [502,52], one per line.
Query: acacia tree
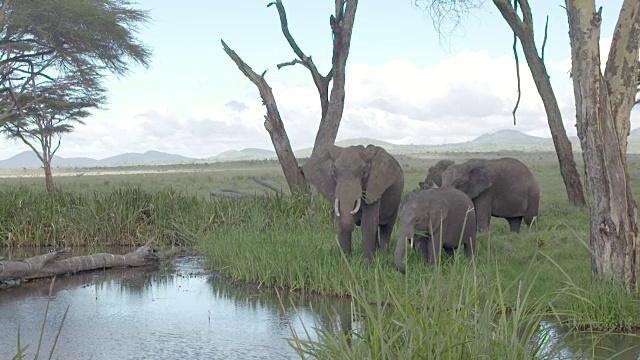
[41,40]
[53,110]
[603,111]
[331,104]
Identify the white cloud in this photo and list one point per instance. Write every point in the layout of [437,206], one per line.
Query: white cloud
[467,95]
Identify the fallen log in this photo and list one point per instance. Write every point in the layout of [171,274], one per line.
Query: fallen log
[53,263]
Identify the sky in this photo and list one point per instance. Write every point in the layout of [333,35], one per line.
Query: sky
[405,84]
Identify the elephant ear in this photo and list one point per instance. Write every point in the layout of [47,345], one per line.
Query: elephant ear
[479,181]
[318,171]
[384,171]
[438,212]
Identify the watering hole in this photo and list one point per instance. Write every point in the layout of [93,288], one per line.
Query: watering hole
[177,313]
[183,311]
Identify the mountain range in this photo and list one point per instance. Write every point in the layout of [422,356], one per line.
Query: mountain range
[502,140]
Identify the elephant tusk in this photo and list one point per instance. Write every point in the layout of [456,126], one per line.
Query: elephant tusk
[336,207]
[412,242]
[355,209]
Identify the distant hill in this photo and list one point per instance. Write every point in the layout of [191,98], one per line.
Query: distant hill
[28,159]
[509,137]
[25,159]
[502,140]
[149,157]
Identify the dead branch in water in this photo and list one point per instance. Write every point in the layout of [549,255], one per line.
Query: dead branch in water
[54,263]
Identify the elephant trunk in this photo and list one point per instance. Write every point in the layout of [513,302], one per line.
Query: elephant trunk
[348,202]
[427,184]
[405,233]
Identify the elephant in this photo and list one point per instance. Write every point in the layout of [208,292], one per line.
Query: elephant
[434,174]
[365,185]
[447,215]
[503,187]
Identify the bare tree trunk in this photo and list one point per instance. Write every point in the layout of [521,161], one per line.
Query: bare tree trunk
[603,107]
[54,263]
[523,29]
[342,27]
[48,177]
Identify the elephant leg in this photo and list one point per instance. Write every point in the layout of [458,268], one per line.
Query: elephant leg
[369,228]
[533,202]
[385,236]
[344,238]
[422,244]
[435,246]
[450,252]
[514,223]
[482,205]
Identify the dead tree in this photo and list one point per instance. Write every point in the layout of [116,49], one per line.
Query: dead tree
[332,105]
[523,30]
[54,263]
[603,111]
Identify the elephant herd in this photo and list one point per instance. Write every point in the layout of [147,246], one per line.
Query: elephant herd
[366,184]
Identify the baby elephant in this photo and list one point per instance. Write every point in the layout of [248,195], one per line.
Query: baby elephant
[448,217]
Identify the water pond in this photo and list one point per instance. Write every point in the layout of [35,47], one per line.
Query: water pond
[180,313]
[183,311]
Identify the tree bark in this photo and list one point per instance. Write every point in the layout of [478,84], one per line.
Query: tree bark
[52,264]
[523,29]
[48,177]
[342,28]
[602,112]
[273,124]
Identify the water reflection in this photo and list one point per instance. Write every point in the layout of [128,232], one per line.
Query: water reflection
[181,313]
[566,344]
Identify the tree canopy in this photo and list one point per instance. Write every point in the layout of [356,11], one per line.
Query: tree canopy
[43,40]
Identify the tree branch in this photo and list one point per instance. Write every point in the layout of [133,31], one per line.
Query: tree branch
[57,147]
[273,122]
[515,56]
[237,192]
[290,63]
[544,41]
[527,17]
[511,16]
[321,82]
[266,184]
[26,142]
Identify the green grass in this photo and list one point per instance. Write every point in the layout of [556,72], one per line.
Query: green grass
[123,216]
[494,308]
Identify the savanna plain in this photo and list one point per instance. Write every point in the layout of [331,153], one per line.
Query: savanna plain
[521,293]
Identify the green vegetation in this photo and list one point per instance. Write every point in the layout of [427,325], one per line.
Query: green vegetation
[497,306]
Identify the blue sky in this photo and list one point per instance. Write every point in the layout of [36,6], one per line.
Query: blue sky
[404,84]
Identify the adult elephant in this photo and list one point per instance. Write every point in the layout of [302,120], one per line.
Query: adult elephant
[434,174]
[365,185]
[502,187]
[446,214]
